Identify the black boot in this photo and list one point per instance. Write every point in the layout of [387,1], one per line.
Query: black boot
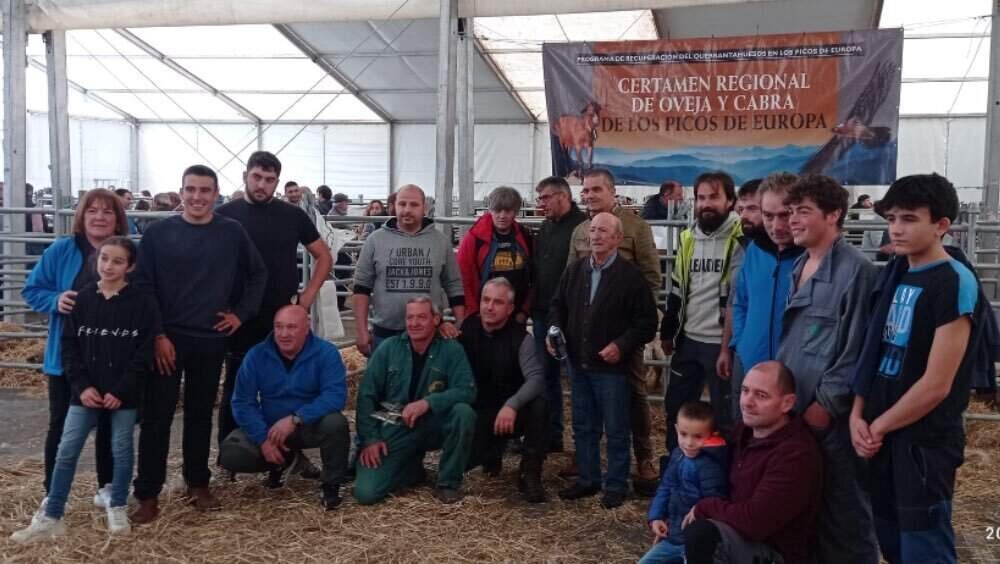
[331,496]
[530,481]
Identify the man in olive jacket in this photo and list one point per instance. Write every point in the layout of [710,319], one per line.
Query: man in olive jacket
[431,384]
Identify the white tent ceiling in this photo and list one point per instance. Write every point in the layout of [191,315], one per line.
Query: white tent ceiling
[377,71]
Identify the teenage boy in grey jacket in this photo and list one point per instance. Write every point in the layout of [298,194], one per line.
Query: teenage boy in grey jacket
[823,329]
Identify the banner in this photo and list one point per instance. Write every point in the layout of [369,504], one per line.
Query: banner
[651,111]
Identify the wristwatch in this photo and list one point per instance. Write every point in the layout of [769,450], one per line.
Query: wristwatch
[296,419]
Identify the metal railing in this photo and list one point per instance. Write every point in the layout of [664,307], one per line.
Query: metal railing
[968,235]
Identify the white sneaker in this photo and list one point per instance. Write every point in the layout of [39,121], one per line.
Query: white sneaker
[102,498]
[40,512]
[43,528]
[118,522]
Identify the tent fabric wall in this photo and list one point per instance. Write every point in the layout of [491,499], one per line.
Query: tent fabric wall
[99,152]
[354,158]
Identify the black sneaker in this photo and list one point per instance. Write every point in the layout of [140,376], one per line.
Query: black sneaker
[331,496]
[305,468]
[447,495]
[578,490]
[612,499]
[277,477]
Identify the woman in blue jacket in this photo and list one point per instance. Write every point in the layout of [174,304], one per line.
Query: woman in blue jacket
[65,267]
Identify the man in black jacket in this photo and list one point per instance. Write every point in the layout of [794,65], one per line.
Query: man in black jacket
[510,384]
[555,201]
[607,312]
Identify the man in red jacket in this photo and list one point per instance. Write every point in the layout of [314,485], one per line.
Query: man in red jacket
[774,482]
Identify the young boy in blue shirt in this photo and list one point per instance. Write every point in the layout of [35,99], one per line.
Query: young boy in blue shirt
[913,384]
[696,470]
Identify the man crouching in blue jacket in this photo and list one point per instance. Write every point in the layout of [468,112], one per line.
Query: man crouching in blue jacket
[289,395]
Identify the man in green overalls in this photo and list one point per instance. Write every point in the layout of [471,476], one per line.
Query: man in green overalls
[415,397]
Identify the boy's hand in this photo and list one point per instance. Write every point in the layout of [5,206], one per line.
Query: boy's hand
[91,398]
[861,438]
[660,528]
[111,402]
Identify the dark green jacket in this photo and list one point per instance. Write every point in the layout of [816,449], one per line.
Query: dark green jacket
[446,380]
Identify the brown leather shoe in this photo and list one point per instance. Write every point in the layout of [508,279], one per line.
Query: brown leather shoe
[147,511]
[202,499]
[647,470]
[571,471]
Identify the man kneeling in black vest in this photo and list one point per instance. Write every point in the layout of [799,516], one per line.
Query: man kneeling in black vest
[510,380]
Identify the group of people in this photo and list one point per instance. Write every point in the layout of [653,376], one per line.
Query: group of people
[834,427]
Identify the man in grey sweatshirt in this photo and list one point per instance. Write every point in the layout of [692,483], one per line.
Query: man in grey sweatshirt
[404,259]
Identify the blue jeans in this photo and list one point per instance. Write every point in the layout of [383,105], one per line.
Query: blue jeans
[664,553]
[553,382]
[79,422]
[912,487]
[600,405]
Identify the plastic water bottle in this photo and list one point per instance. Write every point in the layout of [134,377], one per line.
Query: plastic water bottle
[555,336]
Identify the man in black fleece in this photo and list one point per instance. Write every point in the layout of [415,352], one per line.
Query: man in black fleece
[510,387]
[607,312]
[195,263]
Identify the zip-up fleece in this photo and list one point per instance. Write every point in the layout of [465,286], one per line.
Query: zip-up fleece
[700,283]
[52,275]
[266,391]
[108,343]
[395,266]
[760,294]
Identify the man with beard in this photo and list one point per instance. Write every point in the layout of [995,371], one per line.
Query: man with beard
[696,304]
[636,246]
[761,287]
[276,228]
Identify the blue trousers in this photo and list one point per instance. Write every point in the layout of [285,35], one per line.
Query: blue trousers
[912,487]
[600,405]
[553,382]
[79,422]
[664,552]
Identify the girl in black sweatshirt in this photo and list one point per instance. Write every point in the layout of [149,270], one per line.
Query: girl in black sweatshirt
[107,347]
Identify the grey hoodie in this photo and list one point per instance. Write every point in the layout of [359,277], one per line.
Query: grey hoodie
[701,320]
[395,266]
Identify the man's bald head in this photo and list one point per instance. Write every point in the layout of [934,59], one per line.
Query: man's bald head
[609,219]
[291,329]
[410,208]
[782,375]
[767,397]
[605,235]
[407,187]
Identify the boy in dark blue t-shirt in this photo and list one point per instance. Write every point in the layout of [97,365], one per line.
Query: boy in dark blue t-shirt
[907,415]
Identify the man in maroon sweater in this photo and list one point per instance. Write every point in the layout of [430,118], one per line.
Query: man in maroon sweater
[774,482]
